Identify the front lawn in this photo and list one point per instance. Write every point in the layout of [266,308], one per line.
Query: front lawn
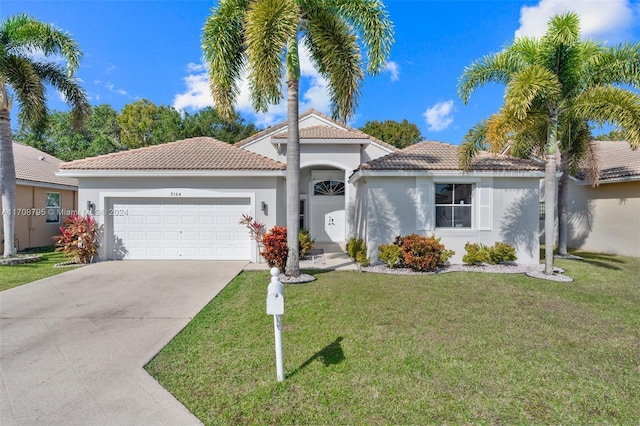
[363,348]
[15,275]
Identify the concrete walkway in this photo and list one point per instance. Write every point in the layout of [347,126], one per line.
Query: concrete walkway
[333,257]
[72,347]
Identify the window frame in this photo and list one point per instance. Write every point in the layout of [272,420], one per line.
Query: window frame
[471,206]
[51,206]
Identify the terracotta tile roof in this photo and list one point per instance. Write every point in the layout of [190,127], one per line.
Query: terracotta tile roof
[430,155]
[617,160]
[283,125]
[325,132]
[37,166]
[202,153]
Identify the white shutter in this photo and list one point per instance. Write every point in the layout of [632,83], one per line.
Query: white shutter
[485,206]
[425,205]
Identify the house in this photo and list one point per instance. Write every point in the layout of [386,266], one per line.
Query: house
[42,198]
[183,200]
[606,218]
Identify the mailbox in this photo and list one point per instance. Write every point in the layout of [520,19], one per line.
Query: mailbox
[275,294]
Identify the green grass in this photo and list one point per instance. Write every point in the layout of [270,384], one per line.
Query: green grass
[454,348]
[15,275]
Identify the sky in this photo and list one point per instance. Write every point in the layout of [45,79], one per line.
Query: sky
[150,49]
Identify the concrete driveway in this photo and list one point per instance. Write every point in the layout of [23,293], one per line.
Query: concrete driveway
[72,347]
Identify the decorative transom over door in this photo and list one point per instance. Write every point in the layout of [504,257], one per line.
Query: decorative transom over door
[327,210]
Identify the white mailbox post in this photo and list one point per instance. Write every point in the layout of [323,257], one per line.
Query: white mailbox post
[275,307]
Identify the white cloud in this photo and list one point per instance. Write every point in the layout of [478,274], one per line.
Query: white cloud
[110,87]
[438,117]
[607,20]
[197,94]
[392,68]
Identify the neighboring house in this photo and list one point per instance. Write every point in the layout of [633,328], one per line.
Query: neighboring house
[606,218]
[42,198]
[183,200]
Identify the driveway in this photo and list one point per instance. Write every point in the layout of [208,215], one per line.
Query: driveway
[72,346]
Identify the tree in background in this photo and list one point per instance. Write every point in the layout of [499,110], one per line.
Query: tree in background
[207,122]
[23,78]
[263,36]
[399,134]
[143,123]
[613,135]
[555,85]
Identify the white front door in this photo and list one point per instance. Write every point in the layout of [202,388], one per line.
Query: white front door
[327,211]
[327,217]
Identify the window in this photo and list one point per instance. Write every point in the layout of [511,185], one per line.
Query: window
[328,188]
[52,205]
[541,212]
[302,211]
[453,205]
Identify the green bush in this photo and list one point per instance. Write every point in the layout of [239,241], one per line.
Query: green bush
[357,250]
[390,254]
[476,254]
[424,254]
[479,253]
[502,252]
[305,242]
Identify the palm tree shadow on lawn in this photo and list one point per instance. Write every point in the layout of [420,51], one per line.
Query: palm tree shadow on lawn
[331,354]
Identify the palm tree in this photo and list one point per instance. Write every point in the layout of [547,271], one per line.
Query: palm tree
[24,77]
[262,36]
[555,86]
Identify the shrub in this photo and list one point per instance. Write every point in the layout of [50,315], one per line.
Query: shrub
[390,254]
[305,242]
[479,253]
[79,238]
[256,229]
[476,253]
[357,250]
[275,249]
[502,252]
[424,253]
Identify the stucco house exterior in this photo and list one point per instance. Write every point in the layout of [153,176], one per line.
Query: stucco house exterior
[183,200]
[43,199]
[606,218]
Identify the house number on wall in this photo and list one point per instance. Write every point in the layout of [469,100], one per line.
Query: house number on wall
[176,194]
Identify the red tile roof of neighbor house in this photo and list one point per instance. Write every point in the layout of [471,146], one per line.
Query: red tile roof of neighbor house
[202,153]
[616,160]
[36,166]
[430,155]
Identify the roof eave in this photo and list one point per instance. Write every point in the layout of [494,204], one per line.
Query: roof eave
[605,181]
[78,173]
[358,174]
[40,184]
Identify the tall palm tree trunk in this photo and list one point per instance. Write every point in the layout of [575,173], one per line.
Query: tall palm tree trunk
[293,178]
[7,176]
[550,191]
[563,214]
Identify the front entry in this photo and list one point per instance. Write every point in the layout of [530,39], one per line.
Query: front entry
[327,211]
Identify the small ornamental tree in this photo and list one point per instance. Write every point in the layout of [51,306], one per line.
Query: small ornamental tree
[275,247]
[79,238]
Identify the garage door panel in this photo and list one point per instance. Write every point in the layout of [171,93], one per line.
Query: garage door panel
[182,229]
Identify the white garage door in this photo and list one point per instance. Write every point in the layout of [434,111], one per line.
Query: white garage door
[181,228]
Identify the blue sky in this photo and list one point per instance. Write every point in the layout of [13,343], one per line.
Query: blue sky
[151,49]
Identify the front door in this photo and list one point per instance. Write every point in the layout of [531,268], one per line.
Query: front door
[327,209]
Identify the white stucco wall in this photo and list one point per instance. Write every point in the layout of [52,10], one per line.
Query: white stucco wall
[605,219]
[391,206]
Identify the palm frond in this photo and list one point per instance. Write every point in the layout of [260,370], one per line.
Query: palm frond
[497,68]
[269,26]
[28,88]
[474,142]
[223,48]
[372,25]
[611,105]
[334,49]
[533,82]
[73,94]
[616,65]
[28,35]
[563,29]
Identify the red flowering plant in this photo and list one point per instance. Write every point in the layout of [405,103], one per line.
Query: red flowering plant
[275,246]
[79,238]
